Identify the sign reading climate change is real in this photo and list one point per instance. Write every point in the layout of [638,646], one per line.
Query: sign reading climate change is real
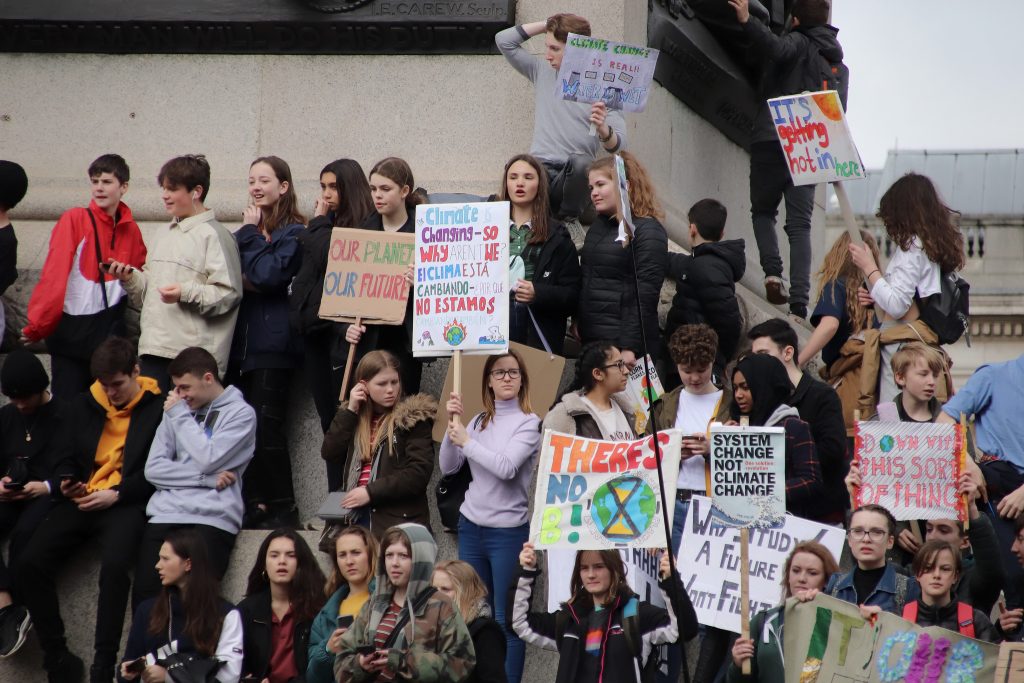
[597,70]
[462,280]
[748,476]
[815,138]
[594,494]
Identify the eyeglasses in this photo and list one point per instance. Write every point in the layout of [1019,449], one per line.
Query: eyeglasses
[512,373]
[620,364]
[858,534]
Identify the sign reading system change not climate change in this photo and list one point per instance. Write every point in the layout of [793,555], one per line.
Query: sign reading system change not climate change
[748,476]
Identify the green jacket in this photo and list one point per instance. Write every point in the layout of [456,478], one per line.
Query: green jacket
[766,665]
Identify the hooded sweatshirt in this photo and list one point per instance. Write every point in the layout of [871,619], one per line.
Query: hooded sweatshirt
[430,642]
[189,450]
[109,460]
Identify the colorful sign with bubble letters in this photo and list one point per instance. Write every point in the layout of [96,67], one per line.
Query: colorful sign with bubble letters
[748,476]
[815,138]
[461,279]
[709,562]
[594,494]
[365,276]
[911,469]
[597,70]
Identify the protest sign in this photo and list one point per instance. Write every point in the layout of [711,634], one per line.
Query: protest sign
[641,574]
[365,276]
[625,210]
[594,494]
[748,476]
[1010,665]
[639,394]
[827,640]
[815,138]
[597,70]
[911,469]
[709,562]
[461,284]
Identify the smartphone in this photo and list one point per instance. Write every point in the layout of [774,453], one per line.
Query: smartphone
[345,621]
[136,666]
[366,650]
[14,485]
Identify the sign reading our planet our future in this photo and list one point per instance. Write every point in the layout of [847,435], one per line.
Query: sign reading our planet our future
[594,494]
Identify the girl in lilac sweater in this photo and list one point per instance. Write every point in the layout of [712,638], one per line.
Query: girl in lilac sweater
[500,445]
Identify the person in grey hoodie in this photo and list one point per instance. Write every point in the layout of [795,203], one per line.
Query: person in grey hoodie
[201,448]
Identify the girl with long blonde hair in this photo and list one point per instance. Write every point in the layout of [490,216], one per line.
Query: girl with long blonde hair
[460,582]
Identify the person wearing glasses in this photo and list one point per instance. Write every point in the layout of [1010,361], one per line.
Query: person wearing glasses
[592,408]
[500,444]
[874,583]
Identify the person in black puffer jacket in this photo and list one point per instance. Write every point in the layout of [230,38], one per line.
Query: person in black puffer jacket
[607,307]
[706,286]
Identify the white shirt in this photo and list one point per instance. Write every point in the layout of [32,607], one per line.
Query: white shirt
[613,422]
[908,272]
[694,414]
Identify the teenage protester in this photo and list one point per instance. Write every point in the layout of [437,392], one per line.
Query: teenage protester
[818,406]
[391,187]
[593,407]
[561,130]
[13,186]
[459,581]
[384,440]
[604,631]
[102,499]
[345,202]
[264,353]
[928,244]
[199,454]
[283,596]
[188,617]
[807,570]
[544,265]
[607,307]
[191,285]
[500,444]
[353,560]
[417,631]
[77,304]
[32,437]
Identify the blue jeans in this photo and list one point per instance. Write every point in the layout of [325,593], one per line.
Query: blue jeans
[494,554]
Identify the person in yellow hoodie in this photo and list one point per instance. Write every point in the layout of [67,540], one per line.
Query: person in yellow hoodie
[102,500]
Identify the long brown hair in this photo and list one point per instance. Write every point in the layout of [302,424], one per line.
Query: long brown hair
[469,588]
[911,208]
[399,172]
[837,265]
[371,364]
[337,580]
[286,209]
[828,562]
[200,599]
[488,393]
[541,207]
[306,592]
[643,200]
[611,559]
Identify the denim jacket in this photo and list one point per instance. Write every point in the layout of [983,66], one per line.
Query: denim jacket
[892,592]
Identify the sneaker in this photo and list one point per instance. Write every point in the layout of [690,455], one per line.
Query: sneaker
[64,668]
[99,673]
[283,517]
[15,624]
[775,290]
[798,311]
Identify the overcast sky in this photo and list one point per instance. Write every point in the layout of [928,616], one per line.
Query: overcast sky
[933,74]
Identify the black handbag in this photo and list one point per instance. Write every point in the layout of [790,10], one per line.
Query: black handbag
[451,492]
[190,667]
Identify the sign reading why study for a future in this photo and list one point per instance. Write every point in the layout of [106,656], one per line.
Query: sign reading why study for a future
[815,138]
[365,276]
[911,469]
[748,476]
[461,278]
[597,70]
[594,494]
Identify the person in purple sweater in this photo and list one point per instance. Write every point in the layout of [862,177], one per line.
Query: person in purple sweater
[500,444]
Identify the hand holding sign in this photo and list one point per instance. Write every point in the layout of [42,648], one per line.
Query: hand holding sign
[528,556]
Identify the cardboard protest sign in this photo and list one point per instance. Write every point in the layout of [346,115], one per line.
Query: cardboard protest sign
[597,70]
[641,574]
[709,562]
[462,281]
[815,138]
[365,276]
[625,210]
[1010,665]
[594,494]
[911,469]
[544,370]
[748,476]
[640,395]
[827,640]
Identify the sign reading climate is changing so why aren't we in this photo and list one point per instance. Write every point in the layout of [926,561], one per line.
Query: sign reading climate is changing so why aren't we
[911,469]
[815,138]
[748,475]
[594,494]
[462,280]
[365,276]
[597,70]
[709,562]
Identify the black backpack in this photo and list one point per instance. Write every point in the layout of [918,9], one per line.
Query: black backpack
[948,312]
[821,74]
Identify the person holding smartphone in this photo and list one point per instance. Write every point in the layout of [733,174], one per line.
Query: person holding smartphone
[354,561]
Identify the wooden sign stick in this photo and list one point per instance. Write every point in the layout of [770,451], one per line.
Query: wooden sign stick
[457,379]
[963,468]
[348,366]
[745,578]
[847,210]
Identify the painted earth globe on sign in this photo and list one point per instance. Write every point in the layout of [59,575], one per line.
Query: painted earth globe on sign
[623,508]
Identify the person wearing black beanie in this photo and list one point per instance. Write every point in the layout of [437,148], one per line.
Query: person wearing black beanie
[13,186]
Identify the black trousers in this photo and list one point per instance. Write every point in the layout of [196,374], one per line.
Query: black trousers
[324,382]
[156,367]
[268,479]
[219,544]
[65,529]
[19,520]
[1001,479]
[71,376]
